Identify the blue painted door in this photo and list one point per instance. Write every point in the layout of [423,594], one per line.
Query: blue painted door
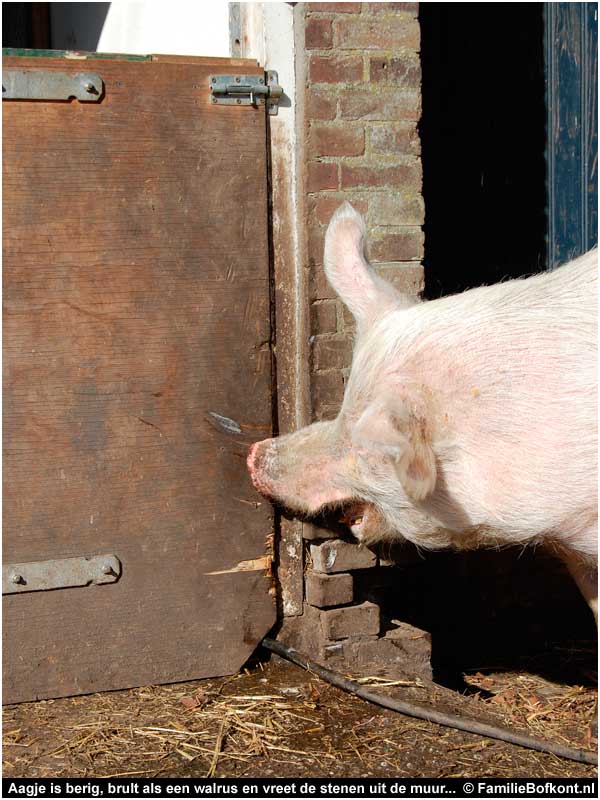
[571,43]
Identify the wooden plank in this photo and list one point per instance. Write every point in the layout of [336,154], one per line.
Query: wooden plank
[215,61]
[276,37]
[572,149]
[136,291]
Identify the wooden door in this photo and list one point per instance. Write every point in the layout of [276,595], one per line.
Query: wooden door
[571,45]
[137,369]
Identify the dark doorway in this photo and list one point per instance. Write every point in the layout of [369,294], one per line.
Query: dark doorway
[56,26]
[26,25]
[483,133]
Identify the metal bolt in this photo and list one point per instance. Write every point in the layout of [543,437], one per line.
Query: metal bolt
[214,80]
[90,88]
[107,569]
[16,578]
[237,80]
[239,102]
[260,80]
[214,99]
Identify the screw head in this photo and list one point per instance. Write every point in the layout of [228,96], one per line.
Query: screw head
[90,88]
[16,578]
[237,80]
[107,569]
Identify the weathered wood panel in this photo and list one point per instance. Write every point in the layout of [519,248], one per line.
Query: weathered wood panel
[572,149]
[136,291]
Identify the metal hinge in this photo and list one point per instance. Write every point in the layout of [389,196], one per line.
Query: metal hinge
[247,90]
[60,573]
[40,84]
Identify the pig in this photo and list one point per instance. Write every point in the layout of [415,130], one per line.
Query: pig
[467,421]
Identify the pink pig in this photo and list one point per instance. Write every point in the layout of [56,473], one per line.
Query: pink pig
[467,421]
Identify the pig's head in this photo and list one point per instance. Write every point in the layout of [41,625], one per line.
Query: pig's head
[374,462]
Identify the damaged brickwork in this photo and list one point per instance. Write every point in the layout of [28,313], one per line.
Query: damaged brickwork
[362,108]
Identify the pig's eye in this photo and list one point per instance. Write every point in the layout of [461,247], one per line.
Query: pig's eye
[353,515]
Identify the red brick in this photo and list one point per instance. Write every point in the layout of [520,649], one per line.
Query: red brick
[327,388]
[318,34]
[401,139]
[387,8]
[415,646]
[321,176]
[340,556]
[332,353]
[397,208]
[335,69]
[323,206]
[402,246]
[384,104]
[368,33]
[401,175]
[320,104]
[336,140]
[325,591]
[399,71]
[323,317]
[341,623]
[316,242]
[348,318]
[336,8]
[319,286]
[407,278]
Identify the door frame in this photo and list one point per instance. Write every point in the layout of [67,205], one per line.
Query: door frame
[273,33]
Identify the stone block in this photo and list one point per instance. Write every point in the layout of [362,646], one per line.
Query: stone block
[340,556]
[341,623]
[325,591]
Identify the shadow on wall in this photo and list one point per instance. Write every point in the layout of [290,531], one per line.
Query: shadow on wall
[56,26]
[489,610]
[77,26]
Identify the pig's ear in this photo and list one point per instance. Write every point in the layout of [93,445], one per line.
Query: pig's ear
[348,272]
[396,430]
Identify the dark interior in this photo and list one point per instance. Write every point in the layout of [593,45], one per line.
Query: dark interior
[483,134]
[26,25]
[512,609]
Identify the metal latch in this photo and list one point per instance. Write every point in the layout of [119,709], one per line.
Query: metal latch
[247,90]
[40,84]
[60,573]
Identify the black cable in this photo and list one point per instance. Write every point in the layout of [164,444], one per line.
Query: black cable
[422,712]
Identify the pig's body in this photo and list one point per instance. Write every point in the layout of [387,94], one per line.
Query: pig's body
[508,375]
[467,421]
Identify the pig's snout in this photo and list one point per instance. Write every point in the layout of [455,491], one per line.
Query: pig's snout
[255,464]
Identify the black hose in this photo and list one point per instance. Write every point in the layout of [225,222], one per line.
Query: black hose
[422,712]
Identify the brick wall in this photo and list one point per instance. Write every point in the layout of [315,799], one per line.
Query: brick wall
[363,103]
